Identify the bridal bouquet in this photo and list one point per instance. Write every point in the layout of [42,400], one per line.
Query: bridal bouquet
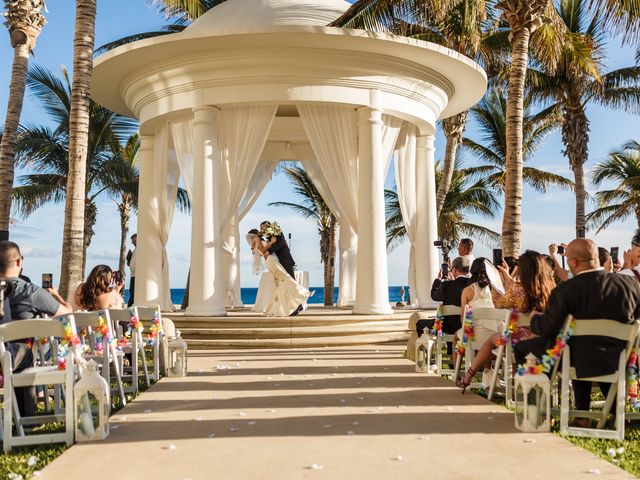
[271,230]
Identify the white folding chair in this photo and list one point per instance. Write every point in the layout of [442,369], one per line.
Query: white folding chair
[504,359]
[479,316]
[148,316]
[107,355]
[53,329]
[133,345]
[441,341]
[600,328]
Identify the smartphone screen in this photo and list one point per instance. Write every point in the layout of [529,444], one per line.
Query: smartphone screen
[47,280]
[614,254]
[445,270]
[497,256]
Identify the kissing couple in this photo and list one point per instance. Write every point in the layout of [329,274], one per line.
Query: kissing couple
[283,296]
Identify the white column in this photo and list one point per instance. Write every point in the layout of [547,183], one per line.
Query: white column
[206,295]
[372,284]
[148,287]
[427,259]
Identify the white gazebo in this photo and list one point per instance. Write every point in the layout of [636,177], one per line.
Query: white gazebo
[254,82]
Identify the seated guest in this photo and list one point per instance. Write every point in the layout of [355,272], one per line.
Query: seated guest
[560,272]
[27,300]
[605,260]
[465,249]
[449,292]
[631,265]
[530,293]
[592,293]
[100,291]
[478,295]
[24,301]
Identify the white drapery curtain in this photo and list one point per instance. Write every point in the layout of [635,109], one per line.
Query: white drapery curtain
[242,135]
[182,135]
[332,132]
[166,176]
[260,177]
[405,170]
[390,133]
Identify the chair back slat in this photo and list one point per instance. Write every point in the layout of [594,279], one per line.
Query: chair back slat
[450,310]
[605,328]
[37,327]
[91,319]
[147,313]
[120,314]
[495,314]
[524,320]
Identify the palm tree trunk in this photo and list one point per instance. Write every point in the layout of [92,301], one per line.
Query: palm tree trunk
[185,298]
[453,129]
[124,210]
[329,262]
[575,136]
[10,133]
[73,235]
[511,223]
[90,217]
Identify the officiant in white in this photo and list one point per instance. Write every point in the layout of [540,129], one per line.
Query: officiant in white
[279,295]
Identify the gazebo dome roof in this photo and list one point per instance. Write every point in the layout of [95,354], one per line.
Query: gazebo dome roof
[243,14]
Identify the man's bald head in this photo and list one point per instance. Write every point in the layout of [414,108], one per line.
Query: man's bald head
[582,254]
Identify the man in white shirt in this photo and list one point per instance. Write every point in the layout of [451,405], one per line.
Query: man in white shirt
[465,249]
[131,262]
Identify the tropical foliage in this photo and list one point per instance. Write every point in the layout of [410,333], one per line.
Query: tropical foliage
[622,167]
[467,196]
[490,150]
[313,206]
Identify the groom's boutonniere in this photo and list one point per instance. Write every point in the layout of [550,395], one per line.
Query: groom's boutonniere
[271,230]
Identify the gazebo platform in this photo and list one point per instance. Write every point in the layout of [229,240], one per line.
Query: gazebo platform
[317,326]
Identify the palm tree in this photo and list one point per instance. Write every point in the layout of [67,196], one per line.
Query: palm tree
[577,81]
[47,152]
[25,20]
[623,167]
[491,117]
[74,232]
[465,197]
[524,18]
[313,206]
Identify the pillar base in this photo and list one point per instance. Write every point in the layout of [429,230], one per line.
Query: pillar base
[206,311]
[373,310]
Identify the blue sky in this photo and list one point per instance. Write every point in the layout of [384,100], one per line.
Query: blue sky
[546,217]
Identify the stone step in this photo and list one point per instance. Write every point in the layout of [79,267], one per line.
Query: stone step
[361,328]
[305,342]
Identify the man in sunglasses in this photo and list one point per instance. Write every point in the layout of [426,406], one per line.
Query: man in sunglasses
[27,300]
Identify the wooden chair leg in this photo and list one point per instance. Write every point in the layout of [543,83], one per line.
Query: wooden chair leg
[564,393]
[494,373]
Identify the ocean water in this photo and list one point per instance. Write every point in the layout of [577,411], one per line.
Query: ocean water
[249,295]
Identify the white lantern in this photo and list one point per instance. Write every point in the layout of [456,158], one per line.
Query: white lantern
[92,405]
[532,399]
[423,353]
[177,356]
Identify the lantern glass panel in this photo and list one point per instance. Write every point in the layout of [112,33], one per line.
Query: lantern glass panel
[537,405]
[88,421]
[520,404]
[421,357]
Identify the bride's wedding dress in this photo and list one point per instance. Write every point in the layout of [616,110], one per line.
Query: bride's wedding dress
[278,293]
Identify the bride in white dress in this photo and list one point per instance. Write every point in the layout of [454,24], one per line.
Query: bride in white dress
[285,293]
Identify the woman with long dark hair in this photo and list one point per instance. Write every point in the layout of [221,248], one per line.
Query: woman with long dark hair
[100,291]
[529,293]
